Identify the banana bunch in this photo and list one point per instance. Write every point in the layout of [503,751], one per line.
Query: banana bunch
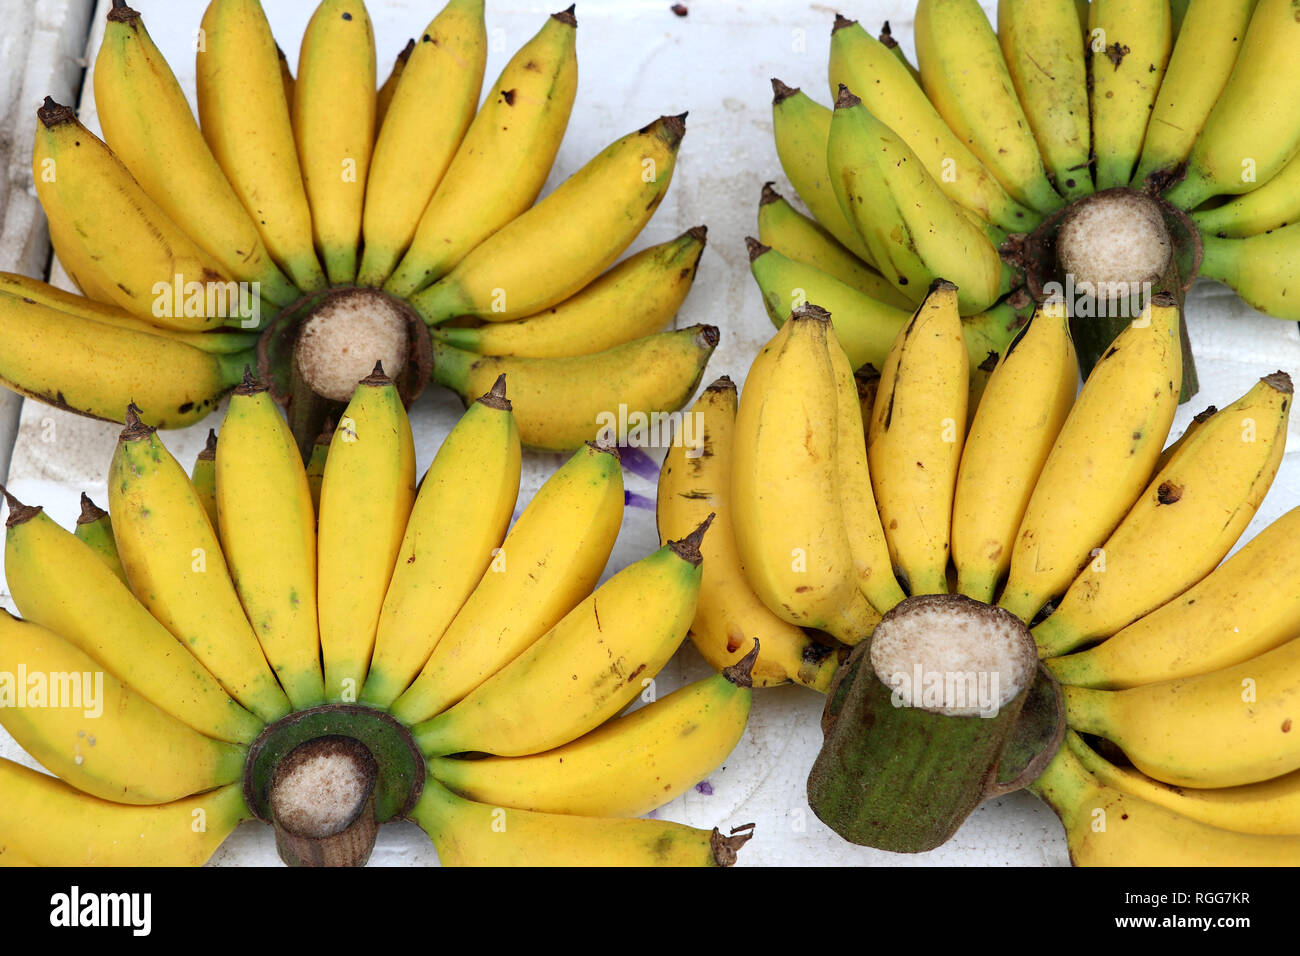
[169,663]
[189,235]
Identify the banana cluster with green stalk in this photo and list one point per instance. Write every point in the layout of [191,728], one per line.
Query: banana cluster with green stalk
[310,226]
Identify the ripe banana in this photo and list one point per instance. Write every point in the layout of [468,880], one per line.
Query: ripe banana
[1045,59]
[116,746]
[559,245]
[1240,610]
[384,95]
[1267,207]
[1024,405]
[585,669]
[636,298]
[1264,270]
[366,496]
[334,128]
[886,36]
[244,102]
[1129,43]
[504,159]
[262,495]
[95,530]
[415,145]
[148,124]
[1174,447]
[966,78]
[475,834]
[694,482]
[316,463]
[1101,460]
[204,477]
[58,582]
[915,439]
[562,402]
[174,563]
[1188,518]
[550,561]
[456,526]
[286,82]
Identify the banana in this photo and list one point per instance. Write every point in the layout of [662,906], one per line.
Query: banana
[730,620]
[334,128]
[95,732]
[503,160]
[384,95]
[886,37]
[1029,395]
[867,67]
[1242,609]
[865,326]
[366,495]
[60,583]
[916,234]
[456,526]
[1199,66]
[1267,207]
[90,197]
[1188,518]
[1261,269]
[624,768]
[95,530]
[245,95]
[316,463]
[914,440]
[415,145]
[966,78]
[204,476]
[1254,129]
[148,124]
[1129,43]
[562,402]
[785,486]
[174,563]
[559,245]
[1108,827]
[802,127]
[1044,55]
[474,834]
[262,495]
[637,297]
[595,661]
[1101,460]
[54,825]
[1173,448]
[549,562]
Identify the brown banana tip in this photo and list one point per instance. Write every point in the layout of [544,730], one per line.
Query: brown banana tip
[90,512]
[688,548]
[755,248]
[566,16]
[496,396]
[941,284]
[18,512]
[52,114]
[1164,300]
[867,373]
[846,100]
[990,362]
[808,311]
[121,13]
[1201,417]
[722,383]
[135,427]
[1279,381]
[725,848]
[781,92]
[405,52]
[280,53]
[709,336]
[769,194]
[377,376]
[886,36]
[250,384]
[605,447]
[840,23]
[741,673]
[326,433]
[209,452]
[699,233]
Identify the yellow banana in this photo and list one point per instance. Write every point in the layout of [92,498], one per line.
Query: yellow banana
[1174,447]
[595,661]
[204,476]
[78,263]
[966,78]
[384,95]
[694,482]
[174,563]
[624,768]
[886,36]
[1101,460]
[95,732]
[550,561]
[1044,52]
[637,297]
[245,95]
[475,834]
[1264,269]
[562,402]
[1129,43]
[1189,517]
[1267,207]
[148,124]
[55,825]
[459,518]
[262,495]
[286,83]
[1028,397]
[1199,66]
[334,127]
[415,144]
[60,583]
[1240,610]
[95,530]
[366,495]
[316,463]
[503,160]
[915,439]
[559,245]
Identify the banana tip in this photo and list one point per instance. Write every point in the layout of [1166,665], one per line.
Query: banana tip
[841,22]
[135,427]
[755,248]
[496,396]
[18,512]
[90,512]
[566,16]
[846,99]
[688,548]
[741,673]
[1279,381]
[781,92]
[725,848]
[769,194]
[209,452]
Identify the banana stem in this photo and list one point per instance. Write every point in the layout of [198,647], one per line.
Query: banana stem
[322,799]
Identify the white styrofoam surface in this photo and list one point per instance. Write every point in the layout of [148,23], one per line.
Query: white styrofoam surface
[638,61]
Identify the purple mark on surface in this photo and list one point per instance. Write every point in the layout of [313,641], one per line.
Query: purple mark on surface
[705,788]
[638,462]
[633,500]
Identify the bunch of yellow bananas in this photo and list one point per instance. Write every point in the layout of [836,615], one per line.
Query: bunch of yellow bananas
[182,232]
[163,654]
